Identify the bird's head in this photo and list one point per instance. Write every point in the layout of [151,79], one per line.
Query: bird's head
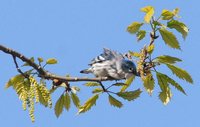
[129,67]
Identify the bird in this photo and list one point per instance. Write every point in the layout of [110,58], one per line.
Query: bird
[111,64]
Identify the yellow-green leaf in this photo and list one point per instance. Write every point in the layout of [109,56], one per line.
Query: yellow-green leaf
[182,74]
[59,106]
[140,35]
[156,23]
[167,15]
[167,59]
[67,101]
[162,82]
[134,54]
[51,61]
[128,83]
[150,48]
[8,84]
[14,81]
[176,11]
[113,101]
[169,38]
[134,27]
[40,59]
[130,95]
[149,83]
[97,90]
[26,64]
[149,10]
[75,99]
[119,84]
[75,89]
[172,82]
[179,26]
[165,95]
[89,103]
[92,84]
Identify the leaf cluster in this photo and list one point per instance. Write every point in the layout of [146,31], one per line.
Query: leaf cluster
[147,66]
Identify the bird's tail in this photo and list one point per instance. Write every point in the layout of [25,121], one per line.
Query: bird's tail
[86,71]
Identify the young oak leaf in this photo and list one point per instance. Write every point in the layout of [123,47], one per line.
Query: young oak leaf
[149,10]
[128,83]
[88,104]
[140,35]
[134,27]
[182,74]
[51,61]
[130,95]
[59,106]
[166,59]
[114,102]
[179,26]
[169,38]
[75,99]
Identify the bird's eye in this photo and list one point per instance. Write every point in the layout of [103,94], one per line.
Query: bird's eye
[130,69]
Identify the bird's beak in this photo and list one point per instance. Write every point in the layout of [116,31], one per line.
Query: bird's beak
[136,73]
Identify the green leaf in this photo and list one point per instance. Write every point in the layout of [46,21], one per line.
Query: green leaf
[140,35]
[128,83]
[26,64]
[51,61]
[119,84]
[14,81]
[134,27]
[172,82]
[165,95]
[167,59]
[40,59]
[167,15]
[75,89]
[75,100]
[150,48]
[149,10]
[130,95]
[97,90]
[149,83]
[176,11]
[134,54]
[163,83]
[92,84]
[67,101]
[179,26]
[169,38]
[59,106]
[156,23]
[89,103]
[113,101]
[182,74]
[8,84]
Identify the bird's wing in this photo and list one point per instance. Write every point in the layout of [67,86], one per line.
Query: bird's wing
[113,54]
[107,55]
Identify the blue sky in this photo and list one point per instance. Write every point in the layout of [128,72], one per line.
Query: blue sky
[75,31]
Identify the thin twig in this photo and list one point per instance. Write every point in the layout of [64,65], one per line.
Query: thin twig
[103,87]
[18,69]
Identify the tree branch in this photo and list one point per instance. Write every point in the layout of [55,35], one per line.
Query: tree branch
[42,72]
